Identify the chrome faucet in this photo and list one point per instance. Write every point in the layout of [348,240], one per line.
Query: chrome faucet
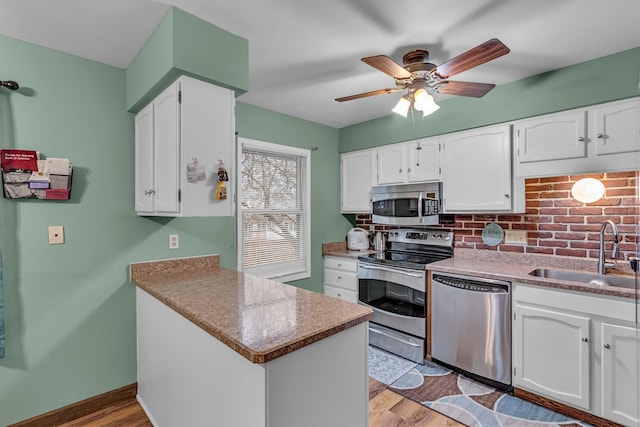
[602,264]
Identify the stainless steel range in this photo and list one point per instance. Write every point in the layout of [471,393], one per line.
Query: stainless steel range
[394,283]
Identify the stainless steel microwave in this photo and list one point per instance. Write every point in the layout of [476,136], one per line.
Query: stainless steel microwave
[410,204]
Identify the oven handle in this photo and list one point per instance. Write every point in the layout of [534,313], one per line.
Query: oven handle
[420,207]
[397,338]
[391,270]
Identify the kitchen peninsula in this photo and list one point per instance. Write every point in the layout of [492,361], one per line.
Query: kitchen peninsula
[219,347]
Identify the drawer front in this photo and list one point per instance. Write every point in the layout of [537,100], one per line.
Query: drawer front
[339,263]
[341,279]
[343,294]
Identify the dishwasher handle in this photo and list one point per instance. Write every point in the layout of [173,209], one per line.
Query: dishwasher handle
[489,286]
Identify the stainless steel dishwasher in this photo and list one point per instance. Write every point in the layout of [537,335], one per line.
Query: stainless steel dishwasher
[471,326]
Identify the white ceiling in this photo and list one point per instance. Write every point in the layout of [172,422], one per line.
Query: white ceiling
[303,54]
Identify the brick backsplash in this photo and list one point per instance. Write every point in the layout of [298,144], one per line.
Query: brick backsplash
[556,224]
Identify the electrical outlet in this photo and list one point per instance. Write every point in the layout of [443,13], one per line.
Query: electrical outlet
[174,243]
[56,235]
[515,236]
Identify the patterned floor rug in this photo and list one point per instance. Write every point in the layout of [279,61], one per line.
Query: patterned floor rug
[465,400]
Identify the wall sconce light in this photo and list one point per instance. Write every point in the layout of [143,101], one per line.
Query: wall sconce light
[587,190]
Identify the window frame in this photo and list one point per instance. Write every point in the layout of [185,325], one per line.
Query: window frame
[277,149]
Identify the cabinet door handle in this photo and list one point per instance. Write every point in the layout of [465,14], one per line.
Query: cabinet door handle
[400,170]
[149,192]
[339,277]
[607,346]
[585,339]
[409,170]
[506,196]
[581,139]
[600,136]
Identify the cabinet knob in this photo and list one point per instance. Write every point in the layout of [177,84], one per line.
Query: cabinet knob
[600,136]
[400,170]
[339,277]
[581,139]
[607,346]
[585,339]
[340,295]
[409,170]
[506,196]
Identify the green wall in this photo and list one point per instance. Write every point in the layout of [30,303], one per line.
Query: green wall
[185,44]
[604,79]
[70,309]
[327,225]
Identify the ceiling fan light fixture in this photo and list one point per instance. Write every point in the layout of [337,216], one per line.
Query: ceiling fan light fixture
[403,106]
[429,106]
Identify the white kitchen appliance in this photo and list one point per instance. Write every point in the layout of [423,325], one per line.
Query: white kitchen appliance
[357,239]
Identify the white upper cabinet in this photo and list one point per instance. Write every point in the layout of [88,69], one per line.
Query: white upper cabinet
[600,138]
[392,164]
[423,160]
[552,137]
[357,176]
[476,168]
[617,131]
[409,162]
[180,137]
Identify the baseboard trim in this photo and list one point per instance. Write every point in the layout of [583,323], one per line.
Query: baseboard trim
[565,409]
[84,407]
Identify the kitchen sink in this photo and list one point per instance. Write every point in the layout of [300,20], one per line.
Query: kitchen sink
[583,277]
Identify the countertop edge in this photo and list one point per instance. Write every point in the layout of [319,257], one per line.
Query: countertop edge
[150,276]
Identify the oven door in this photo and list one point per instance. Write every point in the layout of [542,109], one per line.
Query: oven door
[396,295]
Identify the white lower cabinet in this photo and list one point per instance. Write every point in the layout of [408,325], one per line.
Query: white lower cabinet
[552,354]
[341,278]
[619,367]
[579,349]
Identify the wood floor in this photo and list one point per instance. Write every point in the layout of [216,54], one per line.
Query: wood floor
[386,409]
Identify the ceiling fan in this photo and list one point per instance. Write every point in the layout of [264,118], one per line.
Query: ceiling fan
[420,78]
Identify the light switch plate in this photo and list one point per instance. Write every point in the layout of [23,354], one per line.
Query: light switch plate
[56,235]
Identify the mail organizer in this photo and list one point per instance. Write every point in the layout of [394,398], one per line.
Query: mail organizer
[24,175]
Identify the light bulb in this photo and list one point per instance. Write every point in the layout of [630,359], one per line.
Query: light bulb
[429,106]
[587,190]
[420,99]
[402,107]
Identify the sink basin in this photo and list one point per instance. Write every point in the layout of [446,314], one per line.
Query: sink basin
[582,277]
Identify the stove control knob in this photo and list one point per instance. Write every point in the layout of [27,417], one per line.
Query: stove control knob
[439,236]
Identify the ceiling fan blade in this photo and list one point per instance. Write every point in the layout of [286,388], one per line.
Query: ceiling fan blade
[474,90]
[491,49]
[366,94]
[387,66]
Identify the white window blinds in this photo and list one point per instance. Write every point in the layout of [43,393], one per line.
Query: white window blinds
[274,210]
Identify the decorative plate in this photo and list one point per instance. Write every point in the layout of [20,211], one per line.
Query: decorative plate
[492,234]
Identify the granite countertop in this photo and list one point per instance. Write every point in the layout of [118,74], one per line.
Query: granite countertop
[340,249]
[260,319]
[516,267]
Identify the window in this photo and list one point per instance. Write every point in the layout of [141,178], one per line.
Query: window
[273,210]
